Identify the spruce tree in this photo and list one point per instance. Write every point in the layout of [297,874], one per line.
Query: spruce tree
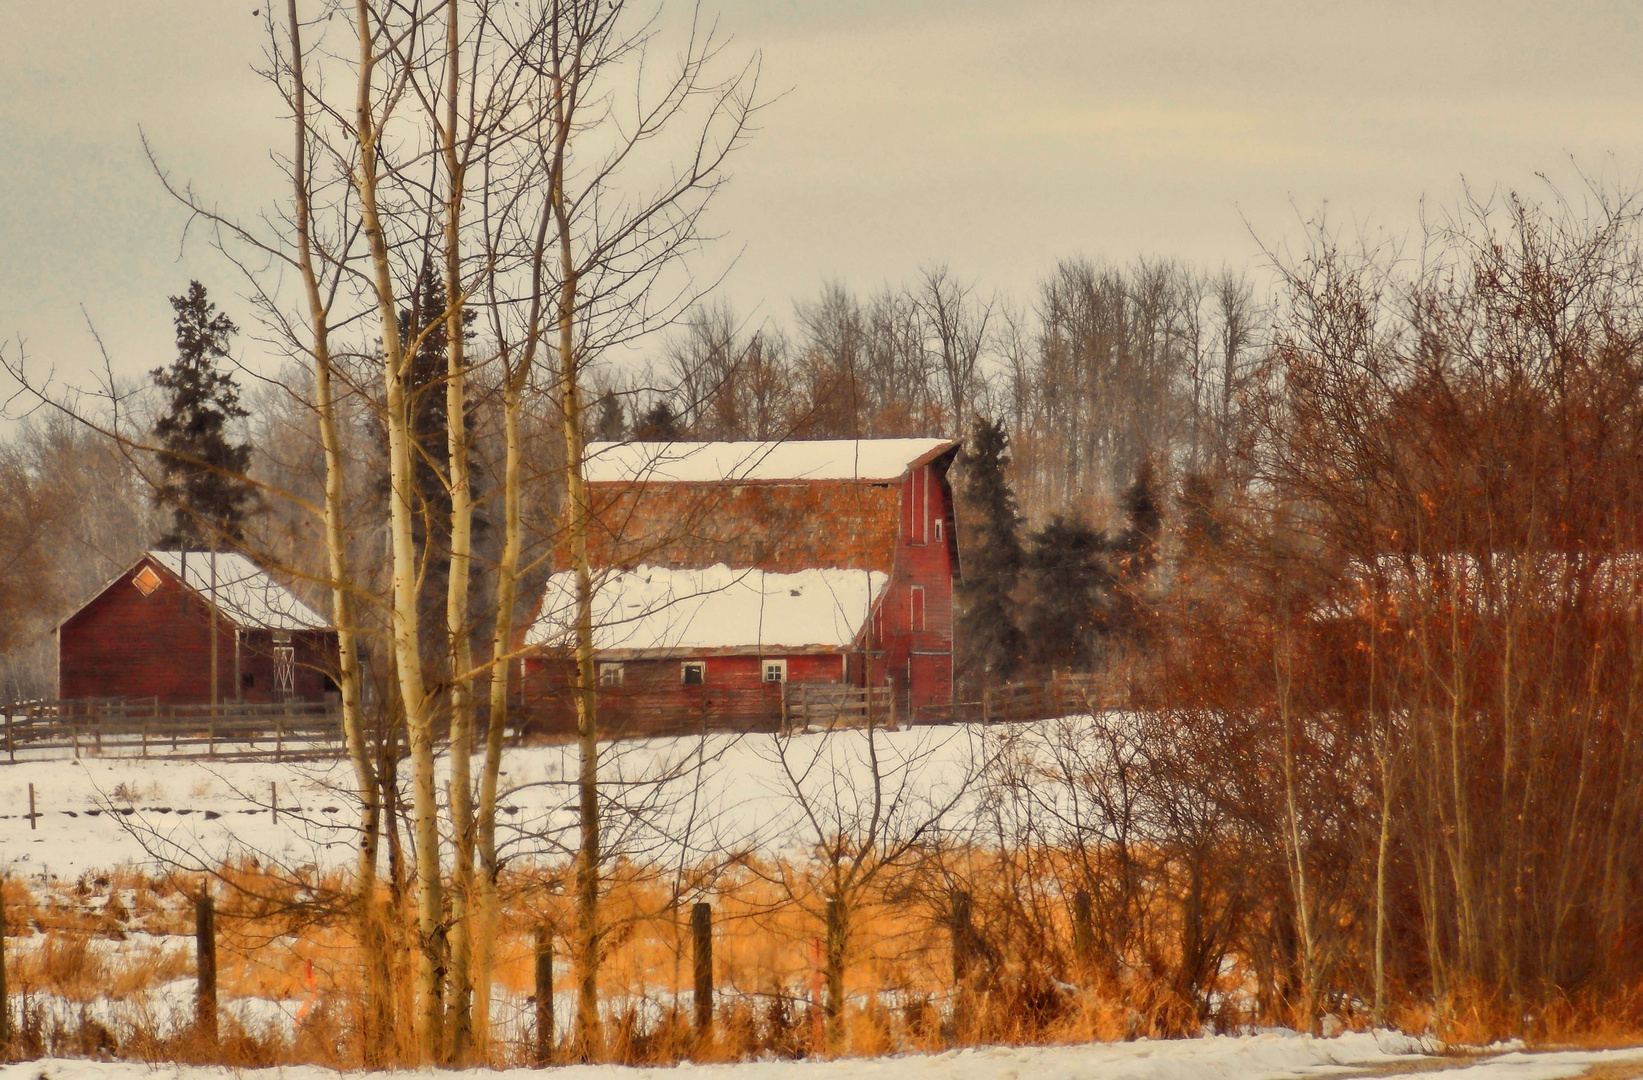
[203,473]
[612,425]
[659,423]
[1069,612]
[1136,552]
[990,643]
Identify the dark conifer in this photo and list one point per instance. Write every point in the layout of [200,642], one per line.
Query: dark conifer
[990,641]
[612,424]
[203,473]
[659,423]
[1070,599]
[1137,552]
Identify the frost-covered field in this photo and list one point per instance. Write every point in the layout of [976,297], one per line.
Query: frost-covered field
[668,797]
[1270,1056]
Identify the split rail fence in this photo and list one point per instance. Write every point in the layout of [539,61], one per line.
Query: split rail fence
[288,731]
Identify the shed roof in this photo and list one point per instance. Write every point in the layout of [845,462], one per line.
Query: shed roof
[242,591]
[653,609]
[753,462]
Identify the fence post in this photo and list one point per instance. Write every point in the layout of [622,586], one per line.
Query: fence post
[5,1002]
[963,933]
[1083,928]
[274,801]
[544,995]
[34,819]
[835,974]
[701,927]
[205,965]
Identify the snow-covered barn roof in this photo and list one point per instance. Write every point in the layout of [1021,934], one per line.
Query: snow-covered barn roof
[718,608]
[242,590]
[753,462]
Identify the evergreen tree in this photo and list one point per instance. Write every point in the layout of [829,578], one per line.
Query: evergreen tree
[203,473]
[612,425]
[422,329]
[1136,552]
[659,423]
[1070,605]
[991,644]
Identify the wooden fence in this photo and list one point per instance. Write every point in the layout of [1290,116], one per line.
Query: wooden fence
[1062,694]
[145,728]
[833,705]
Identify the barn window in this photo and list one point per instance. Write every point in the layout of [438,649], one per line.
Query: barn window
[938,530]
[146,581]
[916,612]
[693,673]
[775,671]
[248,680]
[610,674]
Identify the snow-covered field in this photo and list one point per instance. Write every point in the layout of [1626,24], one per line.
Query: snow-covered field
[1270,1056]
[667,797]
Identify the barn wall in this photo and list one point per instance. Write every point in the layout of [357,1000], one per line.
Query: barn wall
[920,661]
[127,645]
[653,697]
[781,528]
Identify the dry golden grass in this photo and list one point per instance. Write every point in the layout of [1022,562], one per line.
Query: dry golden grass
[119,935]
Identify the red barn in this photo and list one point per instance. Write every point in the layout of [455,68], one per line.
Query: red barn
[148,635]
[727,534]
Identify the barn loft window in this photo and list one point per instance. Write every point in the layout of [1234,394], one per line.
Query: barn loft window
[146,581]
[937,524]
[775,671]
[610,674]
[693,673]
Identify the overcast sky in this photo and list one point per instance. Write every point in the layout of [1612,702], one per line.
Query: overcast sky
[995,137]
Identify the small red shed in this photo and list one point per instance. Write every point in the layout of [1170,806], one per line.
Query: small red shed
[869,506]
[148,634]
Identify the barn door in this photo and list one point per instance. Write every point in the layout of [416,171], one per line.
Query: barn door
[285,666]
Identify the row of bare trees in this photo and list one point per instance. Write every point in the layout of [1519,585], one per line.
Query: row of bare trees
[484,198]
[1110,366]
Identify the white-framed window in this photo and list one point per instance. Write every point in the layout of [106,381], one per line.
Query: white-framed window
[610,674]
[938,530]
[775,671]
[692,673]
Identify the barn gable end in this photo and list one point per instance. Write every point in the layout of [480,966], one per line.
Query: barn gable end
[148,634]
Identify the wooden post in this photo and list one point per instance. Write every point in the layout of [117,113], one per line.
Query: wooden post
[1083,929]
[205,965]
[5,1002]
[963,932]
[544,995]
[33,817]
[274,801]
[701,928]
[835,974]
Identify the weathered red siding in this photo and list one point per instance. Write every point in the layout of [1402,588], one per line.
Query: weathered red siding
[127,645]
[904,528]
[782,527]
[919,658]
[653,697]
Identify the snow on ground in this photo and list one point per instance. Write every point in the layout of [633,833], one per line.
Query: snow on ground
[1270,1056]
[667,797]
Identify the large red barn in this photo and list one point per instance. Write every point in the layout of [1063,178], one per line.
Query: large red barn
[852,540]
[148,634]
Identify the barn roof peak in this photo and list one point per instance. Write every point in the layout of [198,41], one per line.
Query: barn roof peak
[243,591]
[790,461]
